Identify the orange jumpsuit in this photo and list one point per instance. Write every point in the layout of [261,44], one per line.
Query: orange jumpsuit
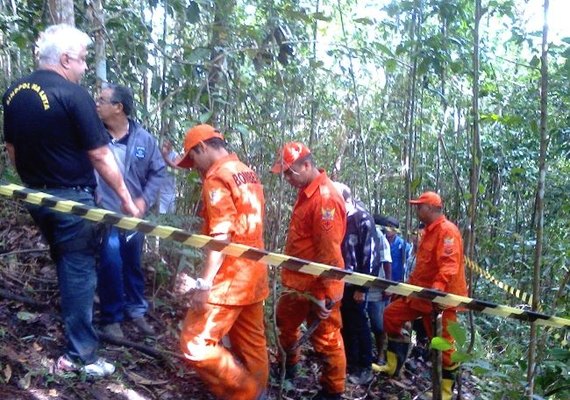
[233,204]
[439,265]
[315,233]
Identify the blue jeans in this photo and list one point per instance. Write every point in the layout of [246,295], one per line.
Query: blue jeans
[355,331]
[376,315]
[121,279]
[73,245]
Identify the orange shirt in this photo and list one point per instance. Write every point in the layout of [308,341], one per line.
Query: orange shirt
[234,204]
[439,260]
[315,233]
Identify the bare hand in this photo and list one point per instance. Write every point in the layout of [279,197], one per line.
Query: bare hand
[186,292]
[166,147]
[141,204]
[359,297]
[321,309]
[131,209]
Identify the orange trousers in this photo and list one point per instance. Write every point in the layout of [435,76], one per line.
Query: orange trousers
[292,310]
[239,373]
[402,310]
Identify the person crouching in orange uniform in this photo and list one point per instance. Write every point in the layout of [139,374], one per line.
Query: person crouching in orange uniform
[316,231]
[228,298]
[439,266]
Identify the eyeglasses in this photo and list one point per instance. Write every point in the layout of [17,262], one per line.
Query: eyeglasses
[102,101]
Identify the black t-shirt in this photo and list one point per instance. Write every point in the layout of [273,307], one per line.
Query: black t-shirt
[52,123]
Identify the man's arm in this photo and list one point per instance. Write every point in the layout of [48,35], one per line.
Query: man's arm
[104,162]
[166,151]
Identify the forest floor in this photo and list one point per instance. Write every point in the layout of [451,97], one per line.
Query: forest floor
[31,340]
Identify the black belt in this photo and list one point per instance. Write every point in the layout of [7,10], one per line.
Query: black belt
[78,188]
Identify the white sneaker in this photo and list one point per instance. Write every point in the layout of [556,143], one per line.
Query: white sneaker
[98,369]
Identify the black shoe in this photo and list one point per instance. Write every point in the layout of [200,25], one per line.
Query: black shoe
[143,326]
[290,371]
[324,395]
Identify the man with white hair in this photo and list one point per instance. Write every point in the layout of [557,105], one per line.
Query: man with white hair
[54,138]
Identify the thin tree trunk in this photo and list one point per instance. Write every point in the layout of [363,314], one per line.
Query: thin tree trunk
[61,12]
[97,18]
[476,155]
[314,102]
[410,115]
[357,106]
[539,211]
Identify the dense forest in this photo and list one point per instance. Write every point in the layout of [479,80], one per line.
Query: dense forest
[464,97]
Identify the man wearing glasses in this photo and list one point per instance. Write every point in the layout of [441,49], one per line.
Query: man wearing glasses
[121,278]
[316,231]
[55,139]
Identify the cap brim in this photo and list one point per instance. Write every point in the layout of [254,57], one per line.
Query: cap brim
[416,202]
[279,167]
[185,162]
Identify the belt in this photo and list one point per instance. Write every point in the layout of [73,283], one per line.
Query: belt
[78,188]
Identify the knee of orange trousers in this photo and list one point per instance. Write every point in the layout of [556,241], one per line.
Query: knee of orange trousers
[249,344]
[292,310]
[396,314]
[218,368]
[327,341]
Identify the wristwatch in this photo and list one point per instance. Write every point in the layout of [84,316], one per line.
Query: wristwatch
[202,284]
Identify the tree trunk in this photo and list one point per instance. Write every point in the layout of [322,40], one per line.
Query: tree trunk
[539,210]
[218,61]
[61,12]
[97,18]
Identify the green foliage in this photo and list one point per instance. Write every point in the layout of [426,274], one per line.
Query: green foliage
[387,99]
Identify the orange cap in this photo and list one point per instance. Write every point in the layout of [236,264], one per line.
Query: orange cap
[287,156]
[430,198]
[195,136]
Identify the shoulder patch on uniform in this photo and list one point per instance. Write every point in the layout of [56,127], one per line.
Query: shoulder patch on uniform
[140,152]
[448,244]
[327,218]
[215,195]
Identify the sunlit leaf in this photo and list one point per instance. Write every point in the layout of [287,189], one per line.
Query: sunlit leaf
[441,344]
[458,333]
[26,316]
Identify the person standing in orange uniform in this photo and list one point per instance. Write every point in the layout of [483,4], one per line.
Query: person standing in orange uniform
[228,297]
[316,231]
[439,266]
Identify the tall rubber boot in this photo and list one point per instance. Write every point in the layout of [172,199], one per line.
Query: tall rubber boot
[448,381]
[395,357]
[447,389]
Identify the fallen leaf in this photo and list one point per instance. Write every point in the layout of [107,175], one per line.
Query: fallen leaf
[7,372]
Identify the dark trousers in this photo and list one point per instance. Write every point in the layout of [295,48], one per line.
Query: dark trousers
[355,331]
[73,244]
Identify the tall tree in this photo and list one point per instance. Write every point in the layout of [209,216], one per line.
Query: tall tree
[539,210]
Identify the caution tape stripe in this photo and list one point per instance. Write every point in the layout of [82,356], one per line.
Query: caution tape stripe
[518,293]
[280,260]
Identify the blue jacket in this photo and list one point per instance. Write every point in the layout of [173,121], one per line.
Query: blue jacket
[145,170]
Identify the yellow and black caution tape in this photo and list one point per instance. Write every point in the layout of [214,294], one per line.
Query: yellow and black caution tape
[519,294]
[280,260]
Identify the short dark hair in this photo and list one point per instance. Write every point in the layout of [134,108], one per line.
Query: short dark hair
[121,94]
